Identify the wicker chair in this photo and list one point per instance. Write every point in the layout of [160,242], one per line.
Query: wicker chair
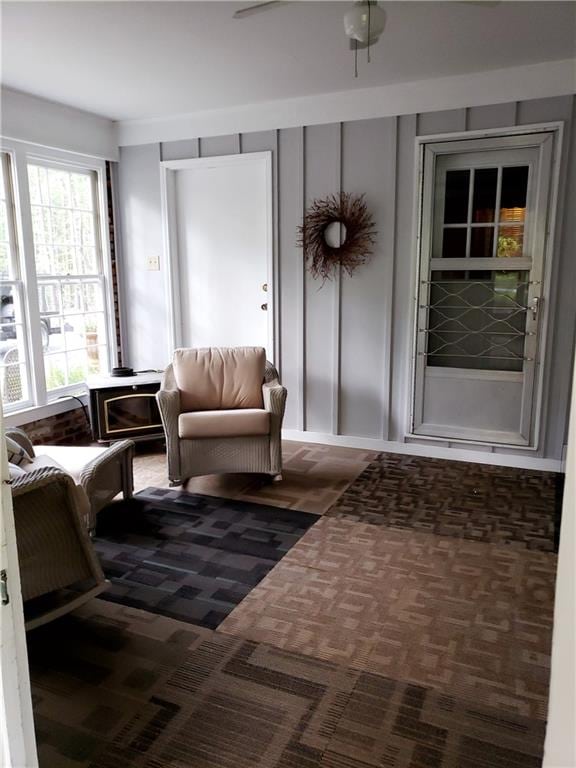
[222,411]
[54,549]
[103,472]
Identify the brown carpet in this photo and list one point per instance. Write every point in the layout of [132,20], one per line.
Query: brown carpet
[313,477]
[410,627]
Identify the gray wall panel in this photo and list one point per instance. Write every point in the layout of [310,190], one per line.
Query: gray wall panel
[259,141]
[544,110]
[491,116]
[322,177]
[561,328]
[219,145]
[445,121]
[291,270]
[143,292]
[369,156]
[345,347]
[405,264]
[180,150]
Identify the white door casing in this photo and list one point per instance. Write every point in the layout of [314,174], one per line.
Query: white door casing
[17,742]
[482,401]
[218,234]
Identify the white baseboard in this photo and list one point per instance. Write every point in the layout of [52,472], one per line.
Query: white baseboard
[433,451]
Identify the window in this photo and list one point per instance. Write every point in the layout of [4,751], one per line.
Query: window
[68,273]
[55,308]
[14,383]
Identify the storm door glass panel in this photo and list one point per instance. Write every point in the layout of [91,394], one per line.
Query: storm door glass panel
[477,320]
[484,212]
[476,316]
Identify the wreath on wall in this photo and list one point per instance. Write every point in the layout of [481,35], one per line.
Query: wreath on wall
[337,231]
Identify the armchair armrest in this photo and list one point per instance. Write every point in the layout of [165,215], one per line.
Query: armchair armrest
[168,399]
[274,395]
[20,437]
[106,474]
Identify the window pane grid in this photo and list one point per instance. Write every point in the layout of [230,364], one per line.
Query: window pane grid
[73,306]
[503,227]
[70,285]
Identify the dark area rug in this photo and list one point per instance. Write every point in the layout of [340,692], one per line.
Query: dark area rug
[191,557]
[480,502]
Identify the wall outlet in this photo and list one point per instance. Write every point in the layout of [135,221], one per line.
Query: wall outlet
[153,263]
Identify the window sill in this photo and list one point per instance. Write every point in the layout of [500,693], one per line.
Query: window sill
[37,412]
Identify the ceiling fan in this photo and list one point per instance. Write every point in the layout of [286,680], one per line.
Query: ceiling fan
[267,5]
[364,22]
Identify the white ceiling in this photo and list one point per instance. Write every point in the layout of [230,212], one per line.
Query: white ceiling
[127,60]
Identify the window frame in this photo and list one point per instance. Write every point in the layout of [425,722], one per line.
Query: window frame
[15,279]
[20,155]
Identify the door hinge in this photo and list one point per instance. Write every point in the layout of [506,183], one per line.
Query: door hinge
[4,596]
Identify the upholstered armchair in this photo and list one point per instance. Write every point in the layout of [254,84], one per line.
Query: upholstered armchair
[222,411]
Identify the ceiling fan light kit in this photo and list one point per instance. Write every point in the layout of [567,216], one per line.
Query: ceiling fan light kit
[365,21]
[363,24]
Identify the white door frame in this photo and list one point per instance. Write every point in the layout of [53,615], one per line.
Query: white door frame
[17,740]
[422,202]
[168,169]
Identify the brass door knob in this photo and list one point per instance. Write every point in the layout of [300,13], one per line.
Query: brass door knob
[264,307]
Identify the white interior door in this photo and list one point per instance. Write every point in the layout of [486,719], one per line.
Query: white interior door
[482,290]
[222,212]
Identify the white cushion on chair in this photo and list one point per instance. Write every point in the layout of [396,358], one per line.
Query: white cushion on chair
[72,459]
[224,423]
[219,378]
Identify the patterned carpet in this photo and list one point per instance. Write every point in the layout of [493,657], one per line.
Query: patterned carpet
[409,627]
[313,476]
[458,499]
[191,557]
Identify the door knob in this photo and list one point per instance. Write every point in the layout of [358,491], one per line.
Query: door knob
[264,307]
[265,287]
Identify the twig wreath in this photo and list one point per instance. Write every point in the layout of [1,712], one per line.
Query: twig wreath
[355,242]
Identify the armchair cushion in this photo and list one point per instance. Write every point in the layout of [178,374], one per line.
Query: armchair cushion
[212,379]
[224,423]
[72,459]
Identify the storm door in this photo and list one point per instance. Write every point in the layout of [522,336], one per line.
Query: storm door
[480,293]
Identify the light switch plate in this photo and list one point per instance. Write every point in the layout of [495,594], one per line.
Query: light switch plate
[153,263]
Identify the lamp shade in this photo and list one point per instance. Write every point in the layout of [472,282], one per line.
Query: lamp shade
[365,21]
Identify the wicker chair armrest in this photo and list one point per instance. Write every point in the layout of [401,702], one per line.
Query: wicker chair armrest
[169,405]
[271,373]
[44,476]
[20,437]
[89,473]
[275,399]
[39,478]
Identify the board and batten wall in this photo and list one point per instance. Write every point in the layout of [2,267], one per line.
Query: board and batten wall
[344,348]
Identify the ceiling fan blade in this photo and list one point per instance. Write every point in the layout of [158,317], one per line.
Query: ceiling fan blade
[257,8]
